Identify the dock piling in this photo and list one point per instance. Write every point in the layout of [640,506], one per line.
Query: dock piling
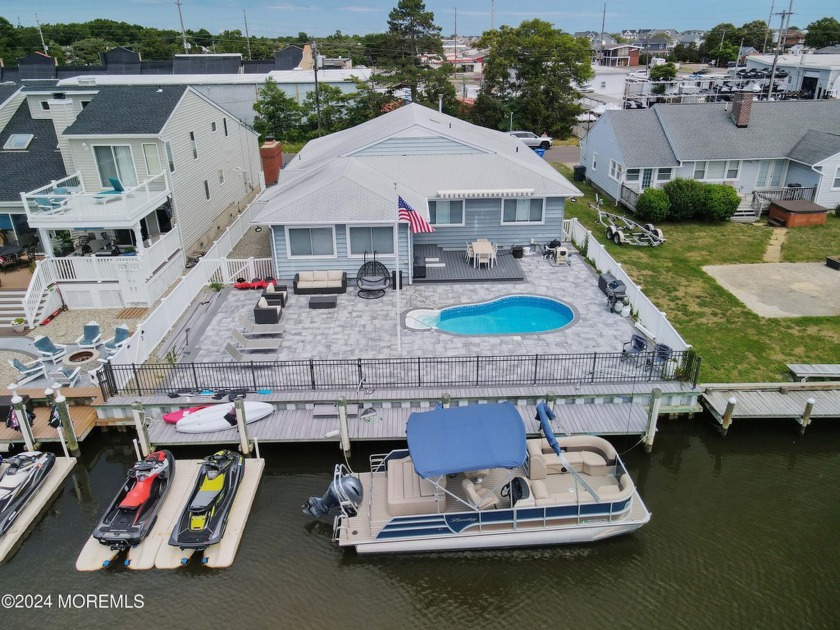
[805,420]
[653,415]
[343,427]
[726,420]
[244,443]
[66,422]
[139,414]
[22,419]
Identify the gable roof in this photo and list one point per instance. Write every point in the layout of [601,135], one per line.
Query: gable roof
[6,90]
[420,150]
[668,134]
[37,165]
[127,110]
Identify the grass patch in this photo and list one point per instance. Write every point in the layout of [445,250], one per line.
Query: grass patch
[736,344]
[813,243]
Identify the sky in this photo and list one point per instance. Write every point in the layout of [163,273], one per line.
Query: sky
[324,17]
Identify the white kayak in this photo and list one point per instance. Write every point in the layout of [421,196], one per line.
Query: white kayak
[212,418]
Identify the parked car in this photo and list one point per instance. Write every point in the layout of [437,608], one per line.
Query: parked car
[532,140]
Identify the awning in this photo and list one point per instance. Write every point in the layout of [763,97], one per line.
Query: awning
[448,441]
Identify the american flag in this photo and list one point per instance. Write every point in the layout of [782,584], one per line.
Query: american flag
[415,222]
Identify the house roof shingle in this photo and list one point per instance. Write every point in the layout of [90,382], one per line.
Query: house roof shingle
[640,138]
[127,110]
[815,147]
[41,162]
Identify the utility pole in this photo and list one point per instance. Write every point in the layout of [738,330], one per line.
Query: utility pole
[43,45]
[492,14]
[783,25]
[183,32]
[455,45]
[720,48]
[601,48]
[767,33]
[247,36]
[317,94]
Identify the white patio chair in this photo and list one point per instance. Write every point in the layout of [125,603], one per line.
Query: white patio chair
[28,371]
[67,377]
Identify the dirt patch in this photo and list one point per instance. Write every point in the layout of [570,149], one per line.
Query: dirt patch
[781,289]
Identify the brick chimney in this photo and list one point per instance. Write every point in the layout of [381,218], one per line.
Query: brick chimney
[271,153]
[741,107]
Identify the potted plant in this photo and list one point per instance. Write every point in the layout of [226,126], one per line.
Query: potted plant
[18,324]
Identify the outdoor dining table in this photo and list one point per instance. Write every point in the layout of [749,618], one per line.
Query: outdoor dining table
[482,249]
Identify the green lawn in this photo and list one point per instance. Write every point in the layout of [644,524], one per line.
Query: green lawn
[736,344]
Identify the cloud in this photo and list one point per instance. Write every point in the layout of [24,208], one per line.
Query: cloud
[360,9]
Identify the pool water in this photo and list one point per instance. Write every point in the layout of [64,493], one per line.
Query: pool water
[516,314]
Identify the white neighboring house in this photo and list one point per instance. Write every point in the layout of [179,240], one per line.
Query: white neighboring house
[186,168]
[765,150]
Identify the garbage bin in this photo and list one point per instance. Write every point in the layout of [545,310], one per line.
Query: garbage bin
[540,152]
[394,280]
[419,270]
[580,173]
[517,251]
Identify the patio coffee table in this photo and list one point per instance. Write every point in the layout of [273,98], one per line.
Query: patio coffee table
[323,301]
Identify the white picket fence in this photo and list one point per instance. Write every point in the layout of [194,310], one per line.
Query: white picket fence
[651,318]
[214,266]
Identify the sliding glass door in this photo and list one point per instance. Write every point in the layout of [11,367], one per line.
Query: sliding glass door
[115,161]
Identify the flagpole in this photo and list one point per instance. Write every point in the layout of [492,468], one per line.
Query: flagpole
[397,265]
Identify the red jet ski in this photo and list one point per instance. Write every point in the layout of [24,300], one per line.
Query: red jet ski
[133,511]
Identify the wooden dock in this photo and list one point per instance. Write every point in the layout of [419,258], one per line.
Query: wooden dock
[311,425]
[155,552]
[825,371]
[50,486]
[801,402]
[82,414]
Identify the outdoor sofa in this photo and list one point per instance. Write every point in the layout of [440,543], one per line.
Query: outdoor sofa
[320,282]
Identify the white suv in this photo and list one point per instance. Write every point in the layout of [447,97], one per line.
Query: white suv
[532,140]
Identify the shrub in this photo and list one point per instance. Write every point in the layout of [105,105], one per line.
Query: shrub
[686,197]
[837,211]
[719,202]
[652,205]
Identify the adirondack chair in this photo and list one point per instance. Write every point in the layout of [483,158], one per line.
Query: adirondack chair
[49,350]
[91,337]
[27,371]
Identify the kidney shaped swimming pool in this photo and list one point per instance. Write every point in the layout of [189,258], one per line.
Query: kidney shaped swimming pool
[515,314]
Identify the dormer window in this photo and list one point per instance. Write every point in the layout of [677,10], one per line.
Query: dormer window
[18,142]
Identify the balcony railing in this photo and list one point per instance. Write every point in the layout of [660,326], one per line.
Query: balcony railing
[66,203]
[629,197]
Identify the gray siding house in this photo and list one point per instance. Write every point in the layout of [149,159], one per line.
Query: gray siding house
[338,198]
[765,150]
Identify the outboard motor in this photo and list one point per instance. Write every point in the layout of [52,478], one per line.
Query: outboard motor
[345,490]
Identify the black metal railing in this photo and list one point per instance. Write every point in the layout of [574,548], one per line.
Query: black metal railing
[416,372]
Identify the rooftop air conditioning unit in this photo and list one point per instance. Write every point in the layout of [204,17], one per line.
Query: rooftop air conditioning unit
[87,80]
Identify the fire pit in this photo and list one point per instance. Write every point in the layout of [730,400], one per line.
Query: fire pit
[85,359]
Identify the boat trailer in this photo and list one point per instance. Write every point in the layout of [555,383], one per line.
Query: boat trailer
[623,231]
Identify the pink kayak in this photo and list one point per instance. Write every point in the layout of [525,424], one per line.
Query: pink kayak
[173,416]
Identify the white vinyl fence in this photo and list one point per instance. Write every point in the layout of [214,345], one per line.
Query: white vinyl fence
[651,318]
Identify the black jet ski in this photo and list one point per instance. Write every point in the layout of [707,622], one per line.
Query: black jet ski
[25,473]
[205,515]
[133,511]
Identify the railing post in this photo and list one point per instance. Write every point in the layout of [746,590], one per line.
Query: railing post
[536,367]
[312,372]
[419,374]
[477,363]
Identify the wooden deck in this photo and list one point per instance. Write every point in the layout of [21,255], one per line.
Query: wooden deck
[456,269]
[773,400]
[83,417]
[302,425]
[804,371]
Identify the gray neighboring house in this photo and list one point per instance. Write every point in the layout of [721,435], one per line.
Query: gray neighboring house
[765,150]
[337,199]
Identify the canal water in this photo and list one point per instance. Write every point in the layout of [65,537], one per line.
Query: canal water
[744,534]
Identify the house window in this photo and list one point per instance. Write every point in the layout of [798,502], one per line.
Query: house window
[446,212]
[632,175]
[213,126]
[115,161]
[594,161]
[616,170]
[45,106]
[207,189]
[193,145]
[152,157]
[371,239]
[221,176]
[663,174]
[224,124]
[522,211]
[169,157]
[717,169]
[836,183]
[311,242]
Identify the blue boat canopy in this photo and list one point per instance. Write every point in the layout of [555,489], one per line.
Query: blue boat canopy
[449,441]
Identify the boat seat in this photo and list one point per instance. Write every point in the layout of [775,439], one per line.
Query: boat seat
[544,461]
[408,493]
[481,498]
[567,497]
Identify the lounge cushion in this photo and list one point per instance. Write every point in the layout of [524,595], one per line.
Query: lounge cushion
[262,303]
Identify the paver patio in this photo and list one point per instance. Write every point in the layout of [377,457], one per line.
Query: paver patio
[360,328]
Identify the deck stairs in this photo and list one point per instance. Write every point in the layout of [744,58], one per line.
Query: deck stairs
[745,213]
[11,306]
[431,254]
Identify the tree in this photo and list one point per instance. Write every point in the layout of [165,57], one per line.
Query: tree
[333,105]
[412,32]
[529,72]
[663,72]
[86,51]
[717,45]
[277,114]
[687,53]
[823,32]
[365,103]
[753,34]
[8,40]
